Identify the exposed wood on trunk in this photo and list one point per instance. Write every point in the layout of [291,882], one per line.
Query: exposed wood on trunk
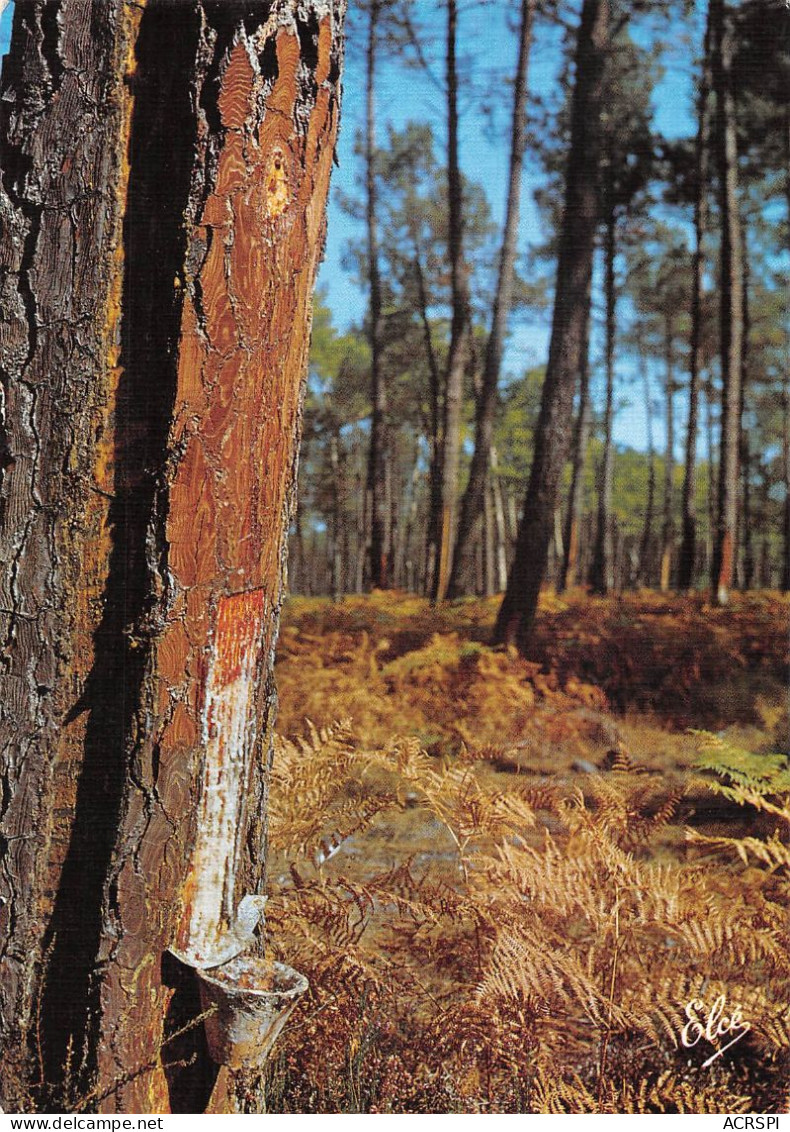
[731,307]
[577,241]
[471,503]
[162,495]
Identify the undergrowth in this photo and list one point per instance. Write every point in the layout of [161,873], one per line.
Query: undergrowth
[482,941]
[549,969]
[395,664]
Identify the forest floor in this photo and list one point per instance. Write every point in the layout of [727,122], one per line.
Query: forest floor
[443,810]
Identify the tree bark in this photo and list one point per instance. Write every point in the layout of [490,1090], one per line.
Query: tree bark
[159,256]
[378,493]
[646,541]
[786,477]
[577,241]
[501,525]
[731,309]
[569,571]
[435,470]
[337,515]
[601,575]
[460,328]
[668,525]
[688,546]
[471,504]
[747,540]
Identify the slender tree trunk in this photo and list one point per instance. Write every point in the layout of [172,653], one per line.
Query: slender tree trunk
[162,225]
[569,572]
[646,542]
[503,297]
[433,528]
[577,242]
[337,516]
[668,524]
[785,579]
[501,526]
[460,329]
[601,575]
[377,487]
[731,310]
[688,544]
[747,540]
[712,476]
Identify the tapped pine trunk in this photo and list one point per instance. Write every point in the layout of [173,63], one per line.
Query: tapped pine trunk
[158,257]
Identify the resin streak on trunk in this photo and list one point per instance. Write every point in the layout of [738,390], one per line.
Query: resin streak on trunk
[159,261]
[243,355]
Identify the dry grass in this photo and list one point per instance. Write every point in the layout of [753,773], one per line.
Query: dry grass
[492,926]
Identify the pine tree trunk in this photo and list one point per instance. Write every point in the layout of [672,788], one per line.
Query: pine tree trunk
[646,541]
[460,328]
[378,487]
[710,493]
[688,546]
[668,525]
[574,268]
[569,571]
[601,574]
[746,576]
[501,526]
[337,516]
[471,504]
[158,256]
[433,526]
[731,310]
[785,579]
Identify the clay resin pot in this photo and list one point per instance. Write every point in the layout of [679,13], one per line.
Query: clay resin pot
[249,1000]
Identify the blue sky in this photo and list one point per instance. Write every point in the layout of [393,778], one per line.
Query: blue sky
[487,49]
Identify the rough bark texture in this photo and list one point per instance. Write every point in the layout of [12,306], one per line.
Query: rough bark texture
[159,258]
[472,502]
[731,308]
[577,239]
[688,546]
